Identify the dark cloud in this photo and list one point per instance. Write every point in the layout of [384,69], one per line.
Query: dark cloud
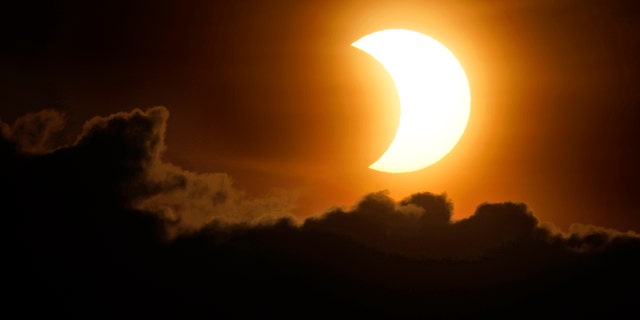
[420,227]
[125,151]
[33,133]
[88,224]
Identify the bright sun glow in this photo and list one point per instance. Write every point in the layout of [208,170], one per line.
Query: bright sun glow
[434,97]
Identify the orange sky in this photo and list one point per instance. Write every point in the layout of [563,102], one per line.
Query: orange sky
[273,94]
[333,111]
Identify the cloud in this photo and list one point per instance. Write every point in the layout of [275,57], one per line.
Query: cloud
[420,227]
[88,225]
[408,259]
[124,151]
[33,132]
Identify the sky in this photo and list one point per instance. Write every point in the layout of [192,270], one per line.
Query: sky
[273,94]
[177,137]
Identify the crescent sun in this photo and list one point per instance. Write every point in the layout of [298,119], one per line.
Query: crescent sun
[434,97]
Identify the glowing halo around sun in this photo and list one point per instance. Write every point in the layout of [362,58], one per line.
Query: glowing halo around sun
[434,97]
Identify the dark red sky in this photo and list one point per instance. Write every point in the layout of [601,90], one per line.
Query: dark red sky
[272,93]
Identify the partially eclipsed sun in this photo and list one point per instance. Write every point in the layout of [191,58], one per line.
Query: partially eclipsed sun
[434,97]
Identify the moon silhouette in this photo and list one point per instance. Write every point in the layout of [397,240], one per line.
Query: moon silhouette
[434,97]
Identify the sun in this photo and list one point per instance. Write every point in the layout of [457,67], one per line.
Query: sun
[434,97]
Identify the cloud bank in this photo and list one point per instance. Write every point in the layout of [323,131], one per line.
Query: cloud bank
[125,150]
[105,225]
